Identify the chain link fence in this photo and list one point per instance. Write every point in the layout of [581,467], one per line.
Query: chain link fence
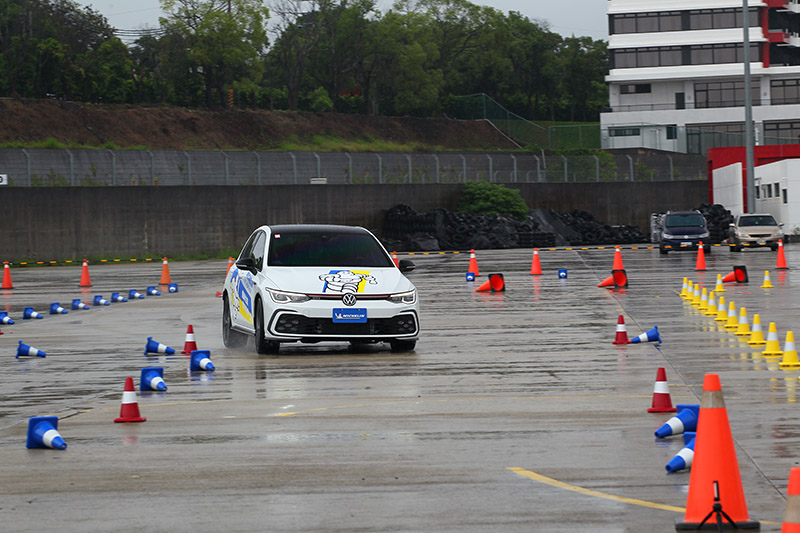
[58,167]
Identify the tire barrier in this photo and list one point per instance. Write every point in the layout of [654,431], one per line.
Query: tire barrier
[718,220]
[406,230]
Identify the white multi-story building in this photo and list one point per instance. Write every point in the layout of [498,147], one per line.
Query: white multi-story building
[676,75]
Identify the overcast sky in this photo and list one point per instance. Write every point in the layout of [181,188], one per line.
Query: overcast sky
[577,17]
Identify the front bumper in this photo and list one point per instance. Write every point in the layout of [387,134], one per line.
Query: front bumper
[755,241]
[682,244]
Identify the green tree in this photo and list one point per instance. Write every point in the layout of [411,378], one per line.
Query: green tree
[584,63]
[492,199]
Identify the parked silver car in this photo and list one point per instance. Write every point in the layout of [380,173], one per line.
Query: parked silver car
[754,230]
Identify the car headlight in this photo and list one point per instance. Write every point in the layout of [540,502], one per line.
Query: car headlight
[669,236]
[404,297]
[741,234]
[282,297]
[704,235]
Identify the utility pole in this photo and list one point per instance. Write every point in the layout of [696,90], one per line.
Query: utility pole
[749,180]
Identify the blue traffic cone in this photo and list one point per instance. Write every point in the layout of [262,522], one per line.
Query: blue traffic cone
[649,336]
[152,378]
[156,347]
[152,291]
[200,361]
[115,297]
[56,309]
[43,433]
[28,312]
[685,420]
[133,294]
[78,304]
[23,349]
[684,457]
[172,287]
[5,319]
[99,300]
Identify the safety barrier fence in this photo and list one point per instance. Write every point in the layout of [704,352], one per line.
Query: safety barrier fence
[72,167]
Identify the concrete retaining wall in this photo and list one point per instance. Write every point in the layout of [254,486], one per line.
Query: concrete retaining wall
[58,223]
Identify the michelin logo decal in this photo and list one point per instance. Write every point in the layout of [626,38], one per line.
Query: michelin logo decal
[346,281]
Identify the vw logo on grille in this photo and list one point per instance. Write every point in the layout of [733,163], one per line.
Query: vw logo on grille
[349,299]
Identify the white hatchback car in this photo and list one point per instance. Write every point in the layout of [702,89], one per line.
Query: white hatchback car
[313,283]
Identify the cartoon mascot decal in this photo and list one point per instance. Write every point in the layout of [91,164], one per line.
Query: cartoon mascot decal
[346,281]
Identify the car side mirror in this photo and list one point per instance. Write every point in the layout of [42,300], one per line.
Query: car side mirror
[406,265]
[732,224]
[780,225]
[247,263]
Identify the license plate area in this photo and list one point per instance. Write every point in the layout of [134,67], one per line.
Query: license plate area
[350,315]
[686,243]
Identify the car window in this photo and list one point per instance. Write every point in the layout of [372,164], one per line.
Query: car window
[297,249]
[757,220]
[689,220]
[248,246]
[258,250]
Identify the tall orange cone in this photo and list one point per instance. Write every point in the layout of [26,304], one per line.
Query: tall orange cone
[781,264]
[716,496]
[622,332]
[165,277]
[536,266]
[473,264]
[617,265]
[701,258]
[6,277]
[230,264]
[190,344]
[395,260]
[86,281]
[129,411]
[791,517]
[662,401]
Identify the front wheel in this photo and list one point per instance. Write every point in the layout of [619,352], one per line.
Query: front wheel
[402,346]
[263,346]
[230,337]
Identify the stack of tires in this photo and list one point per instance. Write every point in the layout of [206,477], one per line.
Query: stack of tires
[718,220]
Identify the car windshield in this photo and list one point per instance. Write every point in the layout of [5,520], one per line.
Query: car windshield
[318,248]
[757,220]
[690,220]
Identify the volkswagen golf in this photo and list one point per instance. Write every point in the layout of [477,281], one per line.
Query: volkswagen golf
[313,283]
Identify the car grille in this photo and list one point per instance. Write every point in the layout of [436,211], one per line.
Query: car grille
[293,324]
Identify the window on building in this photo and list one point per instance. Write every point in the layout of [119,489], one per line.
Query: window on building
[777,189]
[758,192]
[624,132]
[782,132]
[701,19]
[768,190]
[785,197]
[670,21]
[672,132]
[723,94]
[635,88]
[784,91]
[647,23]
[704,19]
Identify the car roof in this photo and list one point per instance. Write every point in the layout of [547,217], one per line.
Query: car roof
[757,215]
[691,212]
[314,228]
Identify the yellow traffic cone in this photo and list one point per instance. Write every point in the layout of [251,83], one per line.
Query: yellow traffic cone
[719,287]
[711,310]
[743,327]
[733,319]
[684,287]
[695,301]
[756,335]
[767,283]
[773,347]
[703,304]
[790,360]
[722,311]
[689,291]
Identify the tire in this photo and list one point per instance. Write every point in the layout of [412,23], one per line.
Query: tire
[399,346]
[663,251]
[230,337]
[774,248]
[263,346]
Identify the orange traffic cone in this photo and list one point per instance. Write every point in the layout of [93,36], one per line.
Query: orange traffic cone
[622,332]
[618,278]
[662,401]
[715,485]
[165,278]
[394,259]
[791,517]
[190,345]
[536,266]
[617,265]
[230,264]
[781,264]
[473,264]
[6,277]
[701,258]
[129,411]
[495,283]
[86,281]
[739,275]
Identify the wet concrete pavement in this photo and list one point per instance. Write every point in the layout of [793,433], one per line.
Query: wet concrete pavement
[515,412]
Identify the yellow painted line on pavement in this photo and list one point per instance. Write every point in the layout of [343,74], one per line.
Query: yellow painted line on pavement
[597,494]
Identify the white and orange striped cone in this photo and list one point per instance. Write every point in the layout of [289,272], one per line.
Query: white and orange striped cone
[711,309]
[773,347]
[395,260]
[622,332]
[190,345]
[129,411]
[756,334]
[473,264]
[662,401]
[536,265]
[166,279]
[790,360]
[791,515]
[230,264]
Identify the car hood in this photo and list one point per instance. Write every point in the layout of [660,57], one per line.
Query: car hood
[684,230]
[337,280]
[759,229]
